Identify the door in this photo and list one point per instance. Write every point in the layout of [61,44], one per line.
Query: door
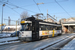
[35,30]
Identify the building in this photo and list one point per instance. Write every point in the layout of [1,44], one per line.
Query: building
[10,29]
[49,20]
[62,20]
[68,25]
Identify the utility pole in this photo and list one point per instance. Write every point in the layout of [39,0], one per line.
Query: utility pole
[16,28]
[37,16]
[52,17]
[18,21]
[9,21]
[2,18]
[47,14]
[56,18]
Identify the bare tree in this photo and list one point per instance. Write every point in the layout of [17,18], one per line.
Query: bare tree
[24,15]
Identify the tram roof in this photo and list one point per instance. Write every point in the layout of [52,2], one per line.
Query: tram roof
[39,20]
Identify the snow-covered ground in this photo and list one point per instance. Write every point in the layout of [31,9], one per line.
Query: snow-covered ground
[8,40]
[4,35]
[8,30]
[69,46]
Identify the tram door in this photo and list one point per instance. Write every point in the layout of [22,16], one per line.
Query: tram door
[35,30]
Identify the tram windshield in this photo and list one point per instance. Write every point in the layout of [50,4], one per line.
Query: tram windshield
[25,27]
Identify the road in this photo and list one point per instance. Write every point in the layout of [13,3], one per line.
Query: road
[31,45]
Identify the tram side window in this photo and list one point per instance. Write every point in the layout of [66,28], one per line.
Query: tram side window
[51,27]
[54,28]
[48,27]
[42,27]
[30,27]
[58,28]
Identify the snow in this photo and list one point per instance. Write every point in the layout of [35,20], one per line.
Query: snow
[69,46]
[4,35]
[8,40]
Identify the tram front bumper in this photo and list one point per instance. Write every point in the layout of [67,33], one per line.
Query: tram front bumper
[25,38]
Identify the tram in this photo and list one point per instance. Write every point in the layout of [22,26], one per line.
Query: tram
[35,29]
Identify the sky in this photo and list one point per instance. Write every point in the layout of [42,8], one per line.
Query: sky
[14,8]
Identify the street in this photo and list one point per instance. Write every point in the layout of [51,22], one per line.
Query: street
[31,45]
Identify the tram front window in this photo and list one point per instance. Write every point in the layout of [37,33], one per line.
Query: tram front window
[25,27]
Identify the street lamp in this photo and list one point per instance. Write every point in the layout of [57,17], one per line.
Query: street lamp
[2,17]
[39,3]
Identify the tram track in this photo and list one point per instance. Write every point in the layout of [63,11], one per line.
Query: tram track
[56,44]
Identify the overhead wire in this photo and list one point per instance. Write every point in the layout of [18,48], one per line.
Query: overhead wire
[52,17]
[37,6]
[34,4]
[13,9]
[54,2]
[62,8]
[26,6]
[44,3]
[22,8]
[19,7]
[62,12]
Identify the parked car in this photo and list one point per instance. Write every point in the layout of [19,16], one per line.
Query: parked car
[14,34]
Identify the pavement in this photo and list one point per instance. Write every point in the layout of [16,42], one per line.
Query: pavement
[32,45]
